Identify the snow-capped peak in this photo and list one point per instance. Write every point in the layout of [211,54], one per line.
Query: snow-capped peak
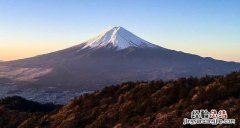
[118,38]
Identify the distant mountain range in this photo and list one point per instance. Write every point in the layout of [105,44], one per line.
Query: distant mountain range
[111,57]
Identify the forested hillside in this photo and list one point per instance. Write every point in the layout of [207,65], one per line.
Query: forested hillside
[131,104]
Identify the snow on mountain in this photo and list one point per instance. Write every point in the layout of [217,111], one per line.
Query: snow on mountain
[113,57]
[118,38]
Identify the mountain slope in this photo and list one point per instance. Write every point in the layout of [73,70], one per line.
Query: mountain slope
[141,104]
[112,57]
[118,38]
[16,110]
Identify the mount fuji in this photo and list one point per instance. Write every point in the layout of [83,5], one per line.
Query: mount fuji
[111,57]
[118,38]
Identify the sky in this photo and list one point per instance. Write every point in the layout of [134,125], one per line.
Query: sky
[209,28]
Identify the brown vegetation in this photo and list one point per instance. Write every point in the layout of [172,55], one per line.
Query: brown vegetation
[155,104]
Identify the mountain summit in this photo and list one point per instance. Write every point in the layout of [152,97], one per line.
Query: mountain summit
[112,57]
[117,38]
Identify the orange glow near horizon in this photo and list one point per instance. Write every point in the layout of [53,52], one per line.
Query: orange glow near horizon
[207,28]
[14,52]
[10,52]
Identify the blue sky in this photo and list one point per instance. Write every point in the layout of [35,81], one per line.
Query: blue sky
[203,27]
